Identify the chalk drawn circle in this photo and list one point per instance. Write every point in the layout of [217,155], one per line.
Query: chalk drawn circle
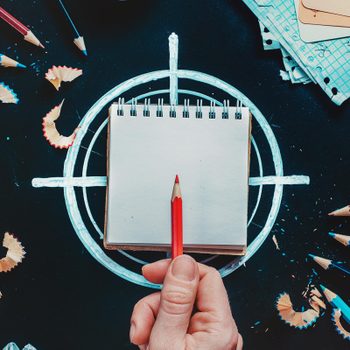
[68,171]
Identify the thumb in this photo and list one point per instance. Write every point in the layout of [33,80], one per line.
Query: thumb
[176,303]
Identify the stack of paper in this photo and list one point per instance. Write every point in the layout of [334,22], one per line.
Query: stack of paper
[314,39]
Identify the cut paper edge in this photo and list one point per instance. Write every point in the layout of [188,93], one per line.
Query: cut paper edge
[296,319]
[338,326]
[15,253]
[7,95]
[51,133]
[56,74]
[345,211]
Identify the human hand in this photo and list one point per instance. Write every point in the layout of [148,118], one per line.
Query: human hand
[192,312]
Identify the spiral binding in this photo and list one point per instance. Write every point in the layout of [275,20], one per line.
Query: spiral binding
[120,107]
[186,109]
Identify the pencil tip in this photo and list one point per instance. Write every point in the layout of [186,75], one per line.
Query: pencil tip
[20,65]
[311,256]
[323,287]
[41,45]
[177,179]
[332,234]
[84,52]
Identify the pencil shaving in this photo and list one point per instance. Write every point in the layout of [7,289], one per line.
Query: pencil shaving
[297,319]
[338,325]
[314,300]
[56,75]
[15,253]
[315,291]
[51,133]
[7,95]
[274,239]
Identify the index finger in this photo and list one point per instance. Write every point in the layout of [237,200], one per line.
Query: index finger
[212,295]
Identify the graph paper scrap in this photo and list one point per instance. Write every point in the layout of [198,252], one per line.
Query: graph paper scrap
[325,62]
[292,72]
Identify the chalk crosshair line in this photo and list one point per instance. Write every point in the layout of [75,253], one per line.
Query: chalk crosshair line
[68,182]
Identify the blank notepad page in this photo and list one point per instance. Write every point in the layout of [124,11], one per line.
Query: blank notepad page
[211,157]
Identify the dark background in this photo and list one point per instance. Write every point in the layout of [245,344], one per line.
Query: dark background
[60,297]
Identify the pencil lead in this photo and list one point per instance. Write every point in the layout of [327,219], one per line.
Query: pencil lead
[323,287]
[20,65]
[85,52]
[177,179]
[311,256]
[41,45]
[332,234]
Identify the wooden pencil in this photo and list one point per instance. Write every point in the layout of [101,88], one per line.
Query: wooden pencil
[176,220]
[345,240]
[345,211]
[329,264]
[9,62]
[20,27]
[337,302]
[79,40]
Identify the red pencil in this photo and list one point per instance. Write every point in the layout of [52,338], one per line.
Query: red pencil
[176,220]
[20,27]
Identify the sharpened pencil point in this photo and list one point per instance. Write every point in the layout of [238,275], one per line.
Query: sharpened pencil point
[323,287]
[20,65]
[332,234]
[177,179]
[84,52]
[41,45]
[311,256]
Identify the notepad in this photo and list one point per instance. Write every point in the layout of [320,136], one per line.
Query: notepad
[208,147]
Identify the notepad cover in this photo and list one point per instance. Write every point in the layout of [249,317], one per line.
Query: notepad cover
[211,157]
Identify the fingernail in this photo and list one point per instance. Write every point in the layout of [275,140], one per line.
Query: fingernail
[132,330]
[184,268]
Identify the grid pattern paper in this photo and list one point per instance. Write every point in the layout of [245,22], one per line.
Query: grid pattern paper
[326,62]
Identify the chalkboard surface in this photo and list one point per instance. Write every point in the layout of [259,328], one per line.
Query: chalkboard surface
[60,297]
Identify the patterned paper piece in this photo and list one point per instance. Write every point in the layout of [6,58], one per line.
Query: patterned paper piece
[326,62]
[269,41]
